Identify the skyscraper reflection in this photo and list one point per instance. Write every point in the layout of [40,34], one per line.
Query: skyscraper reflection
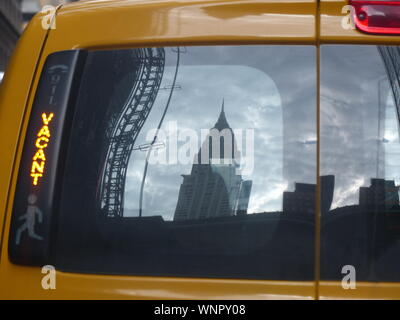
[213,188]
[303,200]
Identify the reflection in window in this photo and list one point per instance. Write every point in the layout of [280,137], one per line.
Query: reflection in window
[213,188]
[197,161]
[360,148]
[186,125]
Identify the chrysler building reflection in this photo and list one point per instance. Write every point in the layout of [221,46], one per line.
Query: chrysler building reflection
[213,188]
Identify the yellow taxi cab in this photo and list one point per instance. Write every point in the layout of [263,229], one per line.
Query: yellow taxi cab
[202,149]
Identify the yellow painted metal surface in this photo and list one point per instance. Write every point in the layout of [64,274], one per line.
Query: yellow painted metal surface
[134,23]
[14,94]
[25,283]
[127,23]
[330,290]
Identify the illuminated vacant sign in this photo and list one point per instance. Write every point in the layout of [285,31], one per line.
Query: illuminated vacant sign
[41,143]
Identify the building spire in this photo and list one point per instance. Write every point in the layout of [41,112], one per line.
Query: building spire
[222,123]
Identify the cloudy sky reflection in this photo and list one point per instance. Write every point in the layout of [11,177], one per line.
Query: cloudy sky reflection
[359,130]
[268,89]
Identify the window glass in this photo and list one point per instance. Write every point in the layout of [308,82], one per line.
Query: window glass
[197,161]
[360,149]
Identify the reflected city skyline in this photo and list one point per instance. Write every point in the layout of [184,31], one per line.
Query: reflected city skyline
[258,96]
[194,219]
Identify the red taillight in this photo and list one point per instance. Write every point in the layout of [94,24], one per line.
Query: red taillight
[379,17]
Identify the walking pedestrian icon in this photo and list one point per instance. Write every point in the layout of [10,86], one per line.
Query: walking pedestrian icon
[30,220]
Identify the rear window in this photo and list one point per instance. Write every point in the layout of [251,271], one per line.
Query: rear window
[196,161]
[202,162]
[360,147]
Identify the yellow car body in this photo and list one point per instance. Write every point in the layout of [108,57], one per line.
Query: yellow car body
[111,24]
